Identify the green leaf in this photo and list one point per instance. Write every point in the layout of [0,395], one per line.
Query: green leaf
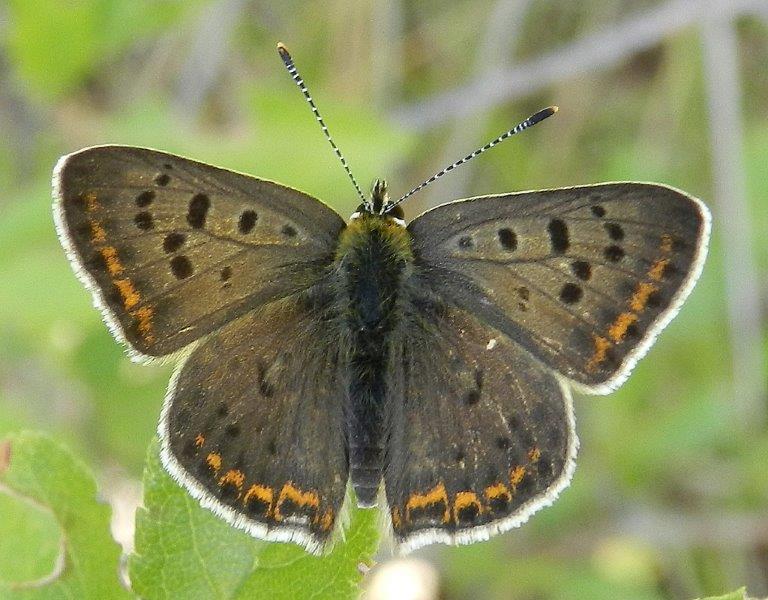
[30,540]
[184,550]
[740,594]
[42,475]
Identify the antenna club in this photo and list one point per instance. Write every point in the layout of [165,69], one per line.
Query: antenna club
[542,114]
[283,51]
[522,126]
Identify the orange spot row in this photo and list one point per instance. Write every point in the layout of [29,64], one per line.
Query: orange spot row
[114,266]
[656,271]
[326,521]
[261,493]
[464,500]
[496,491]
[214,461]
[637,303]
[601,351]
[640,298]
[619,327]
[266,494]
[144,317]
[233,477]
[300,498]
[434,496]
[98,235]
[516,475]
[130,296]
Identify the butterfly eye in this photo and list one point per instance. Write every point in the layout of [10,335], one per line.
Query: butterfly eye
[361,208]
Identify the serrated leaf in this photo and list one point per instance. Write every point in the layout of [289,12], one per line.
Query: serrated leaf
[45,473]
[184,550]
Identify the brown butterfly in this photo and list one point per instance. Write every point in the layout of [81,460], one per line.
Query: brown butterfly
[427,365]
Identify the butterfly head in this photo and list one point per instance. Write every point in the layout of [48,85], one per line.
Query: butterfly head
[380,204]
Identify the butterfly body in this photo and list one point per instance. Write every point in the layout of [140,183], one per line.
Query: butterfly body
[374,263]
[427,365]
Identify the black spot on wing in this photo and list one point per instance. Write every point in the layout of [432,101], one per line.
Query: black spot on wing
[582,269]
[507,239]
[181,267]
[198,210]
[145,198]
[472,397]
[144,221]
[558,236]
[247,221]
[614,253]
[571,293]
[615,231]
[173,241]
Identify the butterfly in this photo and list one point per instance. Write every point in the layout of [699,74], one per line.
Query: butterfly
[426,366]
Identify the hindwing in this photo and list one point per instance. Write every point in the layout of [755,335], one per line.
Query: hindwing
[482,433]
[252,424]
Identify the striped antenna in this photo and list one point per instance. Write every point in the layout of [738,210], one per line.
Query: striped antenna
[289,64]
[529,122]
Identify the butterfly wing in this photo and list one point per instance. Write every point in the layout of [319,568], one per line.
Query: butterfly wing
[173,249]
[482,434]
[252,424]
[583,278]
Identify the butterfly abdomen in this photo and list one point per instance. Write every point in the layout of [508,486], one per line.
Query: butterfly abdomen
[374,258]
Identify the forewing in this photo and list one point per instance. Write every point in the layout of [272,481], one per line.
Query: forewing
[482,435]
[252,424]
[583,278]
[172,249]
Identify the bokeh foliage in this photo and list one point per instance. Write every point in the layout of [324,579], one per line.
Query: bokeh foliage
[670,484]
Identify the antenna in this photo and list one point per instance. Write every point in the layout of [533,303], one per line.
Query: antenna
[289,64]
[529,122]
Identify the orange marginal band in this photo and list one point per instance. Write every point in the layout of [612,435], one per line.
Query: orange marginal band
[434,496]
[637,303]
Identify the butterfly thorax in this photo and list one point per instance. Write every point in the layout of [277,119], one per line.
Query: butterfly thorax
[373,259]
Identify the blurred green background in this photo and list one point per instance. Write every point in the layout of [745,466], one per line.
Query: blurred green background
[670,496]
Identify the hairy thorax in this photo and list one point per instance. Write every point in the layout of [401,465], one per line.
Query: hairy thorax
[375,257]
[374,261]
